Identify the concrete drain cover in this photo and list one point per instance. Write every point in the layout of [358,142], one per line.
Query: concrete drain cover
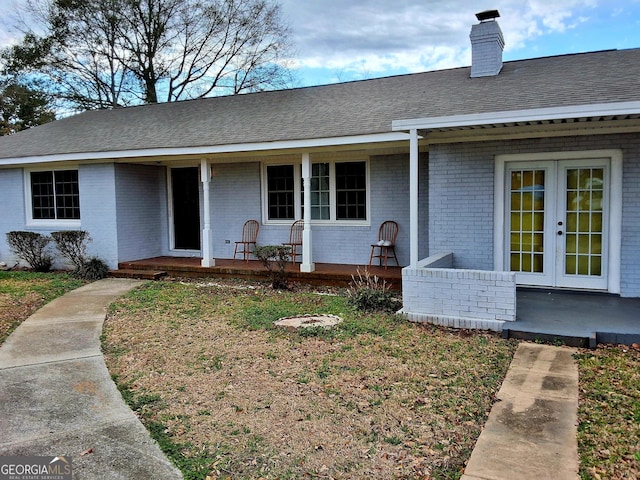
[304,321]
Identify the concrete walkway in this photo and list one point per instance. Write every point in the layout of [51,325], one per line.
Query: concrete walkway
[531,431]
[57,398]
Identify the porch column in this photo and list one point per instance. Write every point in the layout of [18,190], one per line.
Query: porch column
[307,265]
[413,198]
[205,176]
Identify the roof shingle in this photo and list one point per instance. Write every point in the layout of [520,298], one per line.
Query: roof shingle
[353,108]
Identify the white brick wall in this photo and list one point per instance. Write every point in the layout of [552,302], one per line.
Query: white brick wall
[461,180]
[456,297]
[140,222]
[236,197]
[98,213]
[12,216]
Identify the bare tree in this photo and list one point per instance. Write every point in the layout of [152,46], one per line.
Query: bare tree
[77,61]
[108,53]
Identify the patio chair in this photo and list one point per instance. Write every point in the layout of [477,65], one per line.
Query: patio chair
[249,237]
[386,246]
[295,238]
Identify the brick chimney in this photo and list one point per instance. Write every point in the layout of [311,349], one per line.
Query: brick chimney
[487,44]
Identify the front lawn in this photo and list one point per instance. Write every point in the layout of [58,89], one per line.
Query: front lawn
[22,293]
[227,395]
[609,413]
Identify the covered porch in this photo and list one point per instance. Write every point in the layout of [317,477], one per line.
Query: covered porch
[331,274]
[581,319]
[575,318]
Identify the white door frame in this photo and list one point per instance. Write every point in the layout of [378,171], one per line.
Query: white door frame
[615,204]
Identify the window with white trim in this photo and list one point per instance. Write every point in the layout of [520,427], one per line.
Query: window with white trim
[54,195]
[351,191]
[338,192]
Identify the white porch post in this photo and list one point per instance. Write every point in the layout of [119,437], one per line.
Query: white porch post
[413,198]
[205,176]
[307,264]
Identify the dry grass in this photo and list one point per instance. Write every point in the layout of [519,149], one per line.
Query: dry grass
[22,293]
[609,412]
[229,396]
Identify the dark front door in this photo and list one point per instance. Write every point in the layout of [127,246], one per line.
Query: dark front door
[186,208]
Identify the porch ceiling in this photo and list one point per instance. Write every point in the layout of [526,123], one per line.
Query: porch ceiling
[620,117]
[534,129]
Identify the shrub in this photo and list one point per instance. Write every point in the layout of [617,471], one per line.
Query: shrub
[72,244]
[369,293]
[275,259]
[93,269]
[32,248]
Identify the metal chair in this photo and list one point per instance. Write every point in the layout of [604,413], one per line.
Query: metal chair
[295,238]
[249,237]
[386,245]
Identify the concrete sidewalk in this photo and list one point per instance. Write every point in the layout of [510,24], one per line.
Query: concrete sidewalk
[57,397]
[531,431]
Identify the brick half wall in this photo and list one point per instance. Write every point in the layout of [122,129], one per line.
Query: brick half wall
[436,292]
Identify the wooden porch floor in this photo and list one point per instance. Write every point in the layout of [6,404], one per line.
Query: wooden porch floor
[325,273]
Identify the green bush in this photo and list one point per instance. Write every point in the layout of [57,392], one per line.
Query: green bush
[72,244]
[275,259]
[31,247]
[371,294]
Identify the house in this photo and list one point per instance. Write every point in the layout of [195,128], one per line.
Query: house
[499,174]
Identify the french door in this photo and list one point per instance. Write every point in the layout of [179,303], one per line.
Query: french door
[557,222]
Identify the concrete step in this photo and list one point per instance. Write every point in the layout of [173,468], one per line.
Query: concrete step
[549,338]
[140,274]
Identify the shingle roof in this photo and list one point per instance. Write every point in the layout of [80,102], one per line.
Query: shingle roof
[353,108]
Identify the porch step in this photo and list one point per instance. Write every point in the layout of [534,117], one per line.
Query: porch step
[140,274]
[549,338]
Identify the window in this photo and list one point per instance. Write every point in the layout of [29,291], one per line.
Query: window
[338,192]
[351,191]
[55,195]
[280,186]
[320,192]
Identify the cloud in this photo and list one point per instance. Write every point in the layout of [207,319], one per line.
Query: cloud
[415,35]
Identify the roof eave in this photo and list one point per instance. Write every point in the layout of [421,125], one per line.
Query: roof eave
[210,150]
[518,116]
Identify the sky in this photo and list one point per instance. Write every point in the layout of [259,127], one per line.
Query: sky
[346,40]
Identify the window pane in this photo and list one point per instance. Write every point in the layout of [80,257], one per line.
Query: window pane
[351,191]
[67,195]
[280,195]
[320,193]
[42,196]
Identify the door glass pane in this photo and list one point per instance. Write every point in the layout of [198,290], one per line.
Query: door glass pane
[596,265]
[583,264]
[538,239]
[571,243]
[596,243]
[527,198]
[537,263]
[584,226]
